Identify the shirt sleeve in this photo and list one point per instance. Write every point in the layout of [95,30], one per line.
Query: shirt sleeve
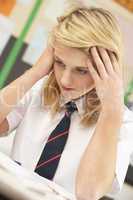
[16,115]
[124,151]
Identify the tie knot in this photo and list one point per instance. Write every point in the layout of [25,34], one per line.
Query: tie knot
[70,107]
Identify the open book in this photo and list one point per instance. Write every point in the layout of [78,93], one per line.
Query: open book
[18,183]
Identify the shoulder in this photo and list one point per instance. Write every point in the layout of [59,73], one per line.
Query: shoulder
[40,83]
[34,92]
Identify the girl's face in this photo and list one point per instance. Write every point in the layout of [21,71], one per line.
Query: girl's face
[71,72]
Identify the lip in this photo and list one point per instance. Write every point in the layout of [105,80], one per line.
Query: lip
[67,89]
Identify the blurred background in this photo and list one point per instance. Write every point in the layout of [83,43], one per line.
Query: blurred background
[24,28]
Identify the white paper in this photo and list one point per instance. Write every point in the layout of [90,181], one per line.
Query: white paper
[28,185]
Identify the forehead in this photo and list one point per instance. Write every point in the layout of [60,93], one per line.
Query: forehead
[69,52]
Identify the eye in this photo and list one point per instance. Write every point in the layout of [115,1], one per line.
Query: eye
[82,71]
[59,63]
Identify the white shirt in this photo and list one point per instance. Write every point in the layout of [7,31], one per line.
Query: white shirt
[33,124]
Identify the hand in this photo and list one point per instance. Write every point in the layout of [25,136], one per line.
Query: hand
[45,63]
[107,78]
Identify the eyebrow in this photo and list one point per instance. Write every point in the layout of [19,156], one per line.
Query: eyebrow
[79,67]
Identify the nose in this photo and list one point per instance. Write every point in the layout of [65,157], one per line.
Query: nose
[66,79]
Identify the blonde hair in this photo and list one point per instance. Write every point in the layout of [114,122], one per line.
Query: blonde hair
[83,28]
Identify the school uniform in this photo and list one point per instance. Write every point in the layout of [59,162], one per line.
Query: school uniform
[33,123]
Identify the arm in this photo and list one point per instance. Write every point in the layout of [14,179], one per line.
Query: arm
[97,167]
[11,94]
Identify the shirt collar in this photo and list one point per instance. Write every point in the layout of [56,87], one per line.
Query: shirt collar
[80,103]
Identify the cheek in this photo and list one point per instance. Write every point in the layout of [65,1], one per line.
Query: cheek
[85,82]
[89,81]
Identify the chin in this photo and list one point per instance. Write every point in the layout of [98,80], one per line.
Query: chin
[71,96]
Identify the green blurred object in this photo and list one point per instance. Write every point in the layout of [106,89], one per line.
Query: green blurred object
[128,92]
[6,69]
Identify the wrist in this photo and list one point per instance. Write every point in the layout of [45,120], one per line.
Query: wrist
[113,109]
[34,73]
[112,115]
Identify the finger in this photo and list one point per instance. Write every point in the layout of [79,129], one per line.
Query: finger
[99,63]
[114,62]
[106,60]
[93,72]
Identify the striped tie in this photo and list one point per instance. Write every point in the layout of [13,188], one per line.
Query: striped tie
[53,149]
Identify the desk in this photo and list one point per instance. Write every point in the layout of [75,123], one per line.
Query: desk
[17,183]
